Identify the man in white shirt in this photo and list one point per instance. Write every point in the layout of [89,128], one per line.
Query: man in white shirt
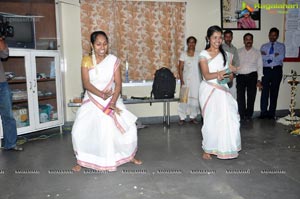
[249,77]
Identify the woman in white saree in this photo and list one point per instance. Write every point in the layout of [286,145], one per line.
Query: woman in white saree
[104,134]
[221,127]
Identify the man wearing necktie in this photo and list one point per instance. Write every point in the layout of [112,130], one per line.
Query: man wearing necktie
[273,54]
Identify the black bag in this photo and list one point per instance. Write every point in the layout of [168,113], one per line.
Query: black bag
[164,84]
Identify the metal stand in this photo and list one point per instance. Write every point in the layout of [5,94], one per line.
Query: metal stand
[292,118]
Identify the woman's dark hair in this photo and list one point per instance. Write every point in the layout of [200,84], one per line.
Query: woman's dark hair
[210,31]
[189,38]
[95,34]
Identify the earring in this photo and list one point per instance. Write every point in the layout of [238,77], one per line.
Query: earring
[93,55]
[207,41]
[94,59]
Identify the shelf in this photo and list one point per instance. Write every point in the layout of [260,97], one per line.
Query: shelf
[47,97]
[20,101]
[41,98]
[46,80]
[16,81]
[20,81]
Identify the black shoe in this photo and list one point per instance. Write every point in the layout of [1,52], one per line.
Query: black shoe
[262,117]
[272,118]
[248,118]
[16,148]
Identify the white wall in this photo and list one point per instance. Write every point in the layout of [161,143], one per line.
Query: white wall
[70,28]
[200,15]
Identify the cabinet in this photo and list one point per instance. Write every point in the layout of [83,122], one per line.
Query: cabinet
[36,88]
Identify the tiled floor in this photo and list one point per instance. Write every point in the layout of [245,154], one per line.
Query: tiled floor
[268,167]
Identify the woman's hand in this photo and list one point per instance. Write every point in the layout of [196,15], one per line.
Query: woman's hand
[106,94]
[116,109]
[234,68]
[181,83]
[221,75]
[231,77]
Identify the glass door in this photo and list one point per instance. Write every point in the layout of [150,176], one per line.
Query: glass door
[47,95]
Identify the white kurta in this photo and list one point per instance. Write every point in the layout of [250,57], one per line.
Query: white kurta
[102,139]
[191,77]
[221,127]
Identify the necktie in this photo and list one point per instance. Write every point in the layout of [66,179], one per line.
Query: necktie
[271,51]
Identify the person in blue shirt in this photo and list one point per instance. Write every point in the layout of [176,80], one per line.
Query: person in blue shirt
[273,54]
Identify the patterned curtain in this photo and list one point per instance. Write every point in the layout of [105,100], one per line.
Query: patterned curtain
[149,35]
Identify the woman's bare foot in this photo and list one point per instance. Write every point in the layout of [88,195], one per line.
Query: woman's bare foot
[206,156]
[76,168]
[136,161]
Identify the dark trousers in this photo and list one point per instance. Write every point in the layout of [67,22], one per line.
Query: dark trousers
[246,84]
[271,83]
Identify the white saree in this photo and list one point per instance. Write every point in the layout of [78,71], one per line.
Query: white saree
[221,126]
[102,139]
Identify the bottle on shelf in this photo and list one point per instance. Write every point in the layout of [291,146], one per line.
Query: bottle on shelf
[126,72]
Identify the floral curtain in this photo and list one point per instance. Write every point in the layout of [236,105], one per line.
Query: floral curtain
[149,35]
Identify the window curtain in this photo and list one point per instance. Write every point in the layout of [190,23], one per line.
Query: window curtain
[149,35]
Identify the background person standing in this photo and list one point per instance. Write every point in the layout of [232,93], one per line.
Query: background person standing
[273,54]
[229,47]
[249,77]
[189,74]
[8,120]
